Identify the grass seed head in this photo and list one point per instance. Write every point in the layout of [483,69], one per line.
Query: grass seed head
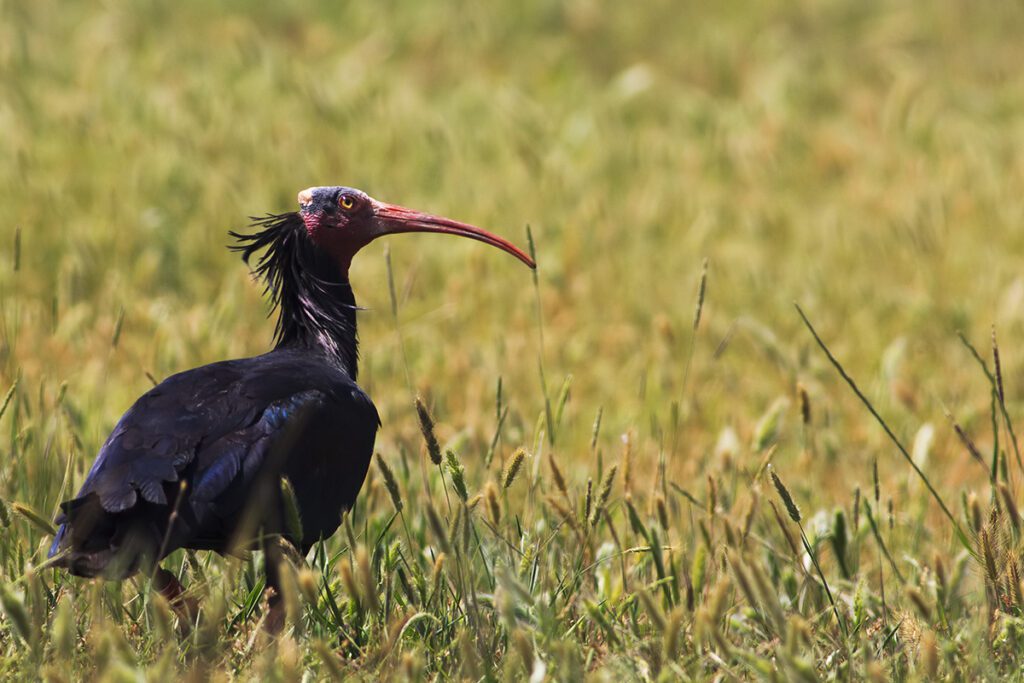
[332,665]
[603,495]
[350,532]
[731,537]
[998,367]
[7,397]
[740,573]
[407,588]
[526,562]
[856,510]
[717,602]
[712,496]
[1014,587]
[787,500]
[840,539]
[437,527]
[63,632]
[437,573]
[427,427]
[654,611]
[698,570]
[748,518]
[874,477]
[1011,507]
[390,483]
[524,647]
[627,462]
[467,528]
[634,518]
[769,426]
[289,593]
[15,610]
[595,431]
[974,510]
[493,503]
[989,557]
[307,580]
[458,475]
[673,626]
[941,577]
[769,597]
[163,617]
[515,463]
[34,518]
[348,580]
[565,513]
[556,474]
[701,291]
[412,667]
[661,509]
[916,597]
[455,526]
[289,658]
[805,404]
[292,517]
[366,578]
[588,499]
[930,655]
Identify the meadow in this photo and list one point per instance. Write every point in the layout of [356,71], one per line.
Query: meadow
[648,468]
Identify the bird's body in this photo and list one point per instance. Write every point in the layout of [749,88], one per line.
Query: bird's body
[219,429]
[198,461]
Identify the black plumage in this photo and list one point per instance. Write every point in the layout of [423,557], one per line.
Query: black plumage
[295,411]
[197,462]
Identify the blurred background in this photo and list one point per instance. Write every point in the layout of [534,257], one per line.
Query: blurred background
[865,159]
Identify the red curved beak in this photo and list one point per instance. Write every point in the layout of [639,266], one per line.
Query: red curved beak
[392,219]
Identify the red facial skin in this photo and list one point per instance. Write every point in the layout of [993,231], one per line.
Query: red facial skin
[343,223]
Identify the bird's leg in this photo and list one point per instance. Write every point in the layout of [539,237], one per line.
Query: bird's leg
[171,589]
[272,559]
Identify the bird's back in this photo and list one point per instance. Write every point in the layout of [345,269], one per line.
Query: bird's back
[210,446]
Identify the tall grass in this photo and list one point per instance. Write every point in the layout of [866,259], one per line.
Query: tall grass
[599,504]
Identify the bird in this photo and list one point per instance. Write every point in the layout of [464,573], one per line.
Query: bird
[209,458]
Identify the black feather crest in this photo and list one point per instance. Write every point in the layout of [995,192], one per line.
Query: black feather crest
[309,291]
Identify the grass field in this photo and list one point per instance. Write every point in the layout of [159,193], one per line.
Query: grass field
[864,159]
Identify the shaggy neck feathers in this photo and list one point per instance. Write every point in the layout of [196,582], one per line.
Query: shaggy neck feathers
[308,288]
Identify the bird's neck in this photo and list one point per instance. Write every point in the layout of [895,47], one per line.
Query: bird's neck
[318,313]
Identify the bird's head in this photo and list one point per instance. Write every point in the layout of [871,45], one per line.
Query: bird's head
[343,220]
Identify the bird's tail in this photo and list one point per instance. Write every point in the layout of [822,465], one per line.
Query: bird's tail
[91,542]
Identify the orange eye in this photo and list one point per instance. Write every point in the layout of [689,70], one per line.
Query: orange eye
[346,202]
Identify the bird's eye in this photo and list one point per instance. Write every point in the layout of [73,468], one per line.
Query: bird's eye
[346,202]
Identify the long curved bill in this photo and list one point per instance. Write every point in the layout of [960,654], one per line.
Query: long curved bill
[392,219]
